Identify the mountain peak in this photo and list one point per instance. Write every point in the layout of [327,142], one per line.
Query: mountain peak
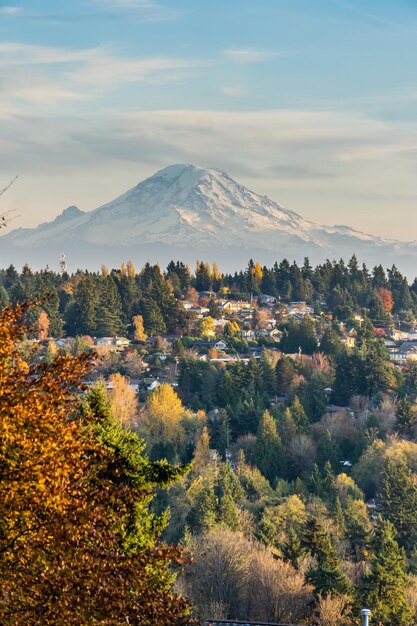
[71,211]
[186,207]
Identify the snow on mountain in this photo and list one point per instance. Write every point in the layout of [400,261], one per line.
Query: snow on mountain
[185,209]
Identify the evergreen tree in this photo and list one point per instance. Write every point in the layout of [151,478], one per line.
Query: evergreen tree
[4,297]
[227,512]
[327,577]
[406,418]
[206,513]
[299,416]
[328,451]
[314,398]
[285,372]
[83,317]
[109,310]
[152,316]
[339,518]
[292,549]
[384,588]
[268,449]
[398,497]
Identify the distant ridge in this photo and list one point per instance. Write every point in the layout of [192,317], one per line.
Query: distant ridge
[188,212]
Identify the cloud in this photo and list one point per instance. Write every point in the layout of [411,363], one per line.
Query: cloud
[12,10]
[142,9]
[49,75]
[234,90]
[251,55]
[366,14]
[323,164]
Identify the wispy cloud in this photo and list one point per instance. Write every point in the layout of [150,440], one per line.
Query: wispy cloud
[12,10]
[252,55]
[321,163]
[143,9]
[48,74]
[234,90]
[366,14]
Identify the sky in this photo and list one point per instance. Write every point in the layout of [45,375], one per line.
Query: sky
[311,102]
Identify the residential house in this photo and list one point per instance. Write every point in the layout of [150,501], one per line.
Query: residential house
[104,341]
[406,352]
[349,339]
[122,342]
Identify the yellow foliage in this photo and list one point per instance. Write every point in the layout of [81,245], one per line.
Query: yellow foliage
[162,416]
[131,271]
[64,504]
[139,332]
[207,327]
[123,401]
[258,272]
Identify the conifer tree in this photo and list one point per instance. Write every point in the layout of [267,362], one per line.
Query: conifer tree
[287,426]
[327,577]
[206,514]
[299,416]
[398,497]
[328,451]
[384,588]
[339,518]
[201,458]
[109,311]
[406,418]
[268,450]
[292,549]
[227,511]
[285,372]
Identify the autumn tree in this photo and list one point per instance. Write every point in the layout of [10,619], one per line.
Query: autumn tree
[139,329]
[123,401]
[207,328]
[161,418]
[78,544]
[387,299]
[43,325]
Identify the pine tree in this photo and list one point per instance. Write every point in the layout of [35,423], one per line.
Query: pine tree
[109,311]
[328,451]
[206,514]
[316,481]
[329,484]
[201,458]
[288,427]
[384,588]
[398,497]
[85,307]
[327,577]
[339,518]
[268,449]
[406,418]
[152,316]
[227,512]
[285,372]
[292,549]
[299,416]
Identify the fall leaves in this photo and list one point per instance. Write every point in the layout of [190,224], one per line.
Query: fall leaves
[77,542]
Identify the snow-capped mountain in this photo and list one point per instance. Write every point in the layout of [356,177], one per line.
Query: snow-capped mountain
[187,212]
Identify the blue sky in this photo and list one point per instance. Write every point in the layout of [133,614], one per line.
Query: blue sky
[312,102]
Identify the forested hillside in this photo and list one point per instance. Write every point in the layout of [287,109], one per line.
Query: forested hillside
[290,391]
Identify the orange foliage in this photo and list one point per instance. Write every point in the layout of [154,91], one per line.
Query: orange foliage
[387,299]
[63,507]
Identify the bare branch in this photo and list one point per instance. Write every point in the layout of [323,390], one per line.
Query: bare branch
[3,191]
[8,216]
